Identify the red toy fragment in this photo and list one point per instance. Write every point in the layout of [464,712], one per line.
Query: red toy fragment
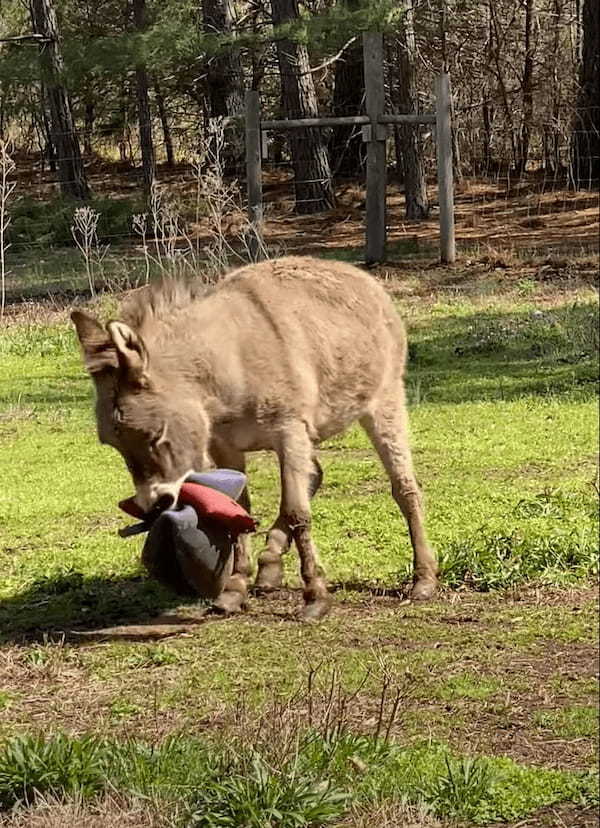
[213,505]
[209,505]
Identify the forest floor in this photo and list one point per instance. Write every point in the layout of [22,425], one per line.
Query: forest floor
[524,229]
[119,706]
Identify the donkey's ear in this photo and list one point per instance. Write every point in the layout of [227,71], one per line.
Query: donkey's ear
[131,351]
[99,352]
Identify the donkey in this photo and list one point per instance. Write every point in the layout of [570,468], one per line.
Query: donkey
[279,356]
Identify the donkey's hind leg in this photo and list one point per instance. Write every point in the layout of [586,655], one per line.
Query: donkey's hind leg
[387,427]
[270,566]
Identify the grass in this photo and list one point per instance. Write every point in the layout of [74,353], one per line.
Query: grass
[502,391]
[522,416]
[314,783]
[48,224]
[571,722]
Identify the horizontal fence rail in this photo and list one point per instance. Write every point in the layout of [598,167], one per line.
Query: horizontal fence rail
[374,134]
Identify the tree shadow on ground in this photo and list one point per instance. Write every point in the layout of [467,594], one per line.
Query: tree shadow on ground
[504,355]
[46,392]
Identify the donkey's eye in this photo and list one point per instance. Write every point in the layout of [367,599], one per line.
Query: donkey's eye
[159,438]
[117,418]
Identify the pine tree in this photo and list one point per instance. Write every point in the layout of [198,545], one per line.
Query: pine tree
[312,174]
[71,171]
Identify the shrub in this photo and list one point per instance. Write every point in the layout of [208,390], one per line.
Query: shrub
[48,223]
[31,765]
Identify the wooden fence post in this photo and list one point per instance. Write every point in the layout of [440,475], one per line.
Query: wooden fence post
[444,169]
[375,134]
[254,173]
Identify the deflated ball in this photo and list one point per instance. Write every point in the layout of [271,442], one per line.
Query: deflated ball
[190,548]
[190,560]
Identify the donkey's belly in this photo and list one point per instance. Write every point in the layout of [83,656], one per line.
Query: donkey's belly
[247,435]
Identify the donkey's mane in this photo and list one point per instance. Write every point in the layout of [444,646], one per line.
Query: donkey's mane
[159,301]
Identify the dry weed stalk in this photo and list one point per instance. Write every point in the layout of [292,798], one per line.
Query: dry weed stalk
[163,252]
[7,167]
[111,810]
[140,226]
[171,250]
[85,234]
[321,707]
[222,202]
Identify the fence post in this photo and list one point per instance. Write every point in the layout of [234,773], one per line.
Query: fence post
[375,134]
[254,173]
[444,168]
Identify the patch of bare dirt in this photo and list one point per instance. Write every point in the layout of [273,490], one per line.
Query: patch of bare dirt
[488,215]
[558,816]
[107,812]
[509,728]
[391,815]
[460,633]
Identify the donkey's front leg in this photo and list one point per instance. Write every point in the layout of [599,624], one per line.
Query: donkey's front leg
[297,468]
[270,566]
[235,594]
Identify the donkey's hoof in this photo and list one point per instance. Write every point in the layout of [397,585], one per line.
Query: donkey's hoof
[315,610]
[424,589]
[228,603]
[269,578]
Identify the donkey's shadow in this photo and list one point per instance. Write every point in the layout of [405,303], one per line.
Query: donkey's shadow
[80,608]
[74,606]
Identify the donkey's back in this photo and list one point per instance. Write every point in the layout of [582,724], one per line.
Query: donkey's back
[296,337]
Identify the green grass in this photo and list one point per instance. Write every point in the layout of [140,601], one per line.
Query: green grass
[503,441]
[312,783]
[504,427]
[467,687]
[570,722]
[46,224]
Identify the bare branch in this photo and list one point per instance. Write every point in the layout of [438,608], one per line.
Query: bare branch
[26,38]
[333,59]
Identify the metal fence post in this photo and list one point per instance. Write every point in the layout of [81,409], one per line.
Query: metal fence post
[444,169]
[254,173]
[375,134]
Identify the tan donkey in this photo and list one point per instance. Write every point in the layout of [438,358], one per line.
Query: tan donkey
[279,356]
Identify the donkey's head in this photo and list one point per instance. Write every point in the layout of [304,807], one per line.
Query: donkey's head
[143,411]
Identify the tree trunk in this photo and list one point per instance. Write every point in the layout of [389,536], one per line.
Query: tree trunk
[552,134]
[487,111]
[164,121]
[48,151]
[409,147]
[527,90]
[486,149]
[224,76]
[258,50]
[346,148]
[124,141]
[506,104]
[224,79]
[586,130]
[90,117]
[312,174]
[143,105]
[71,171]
